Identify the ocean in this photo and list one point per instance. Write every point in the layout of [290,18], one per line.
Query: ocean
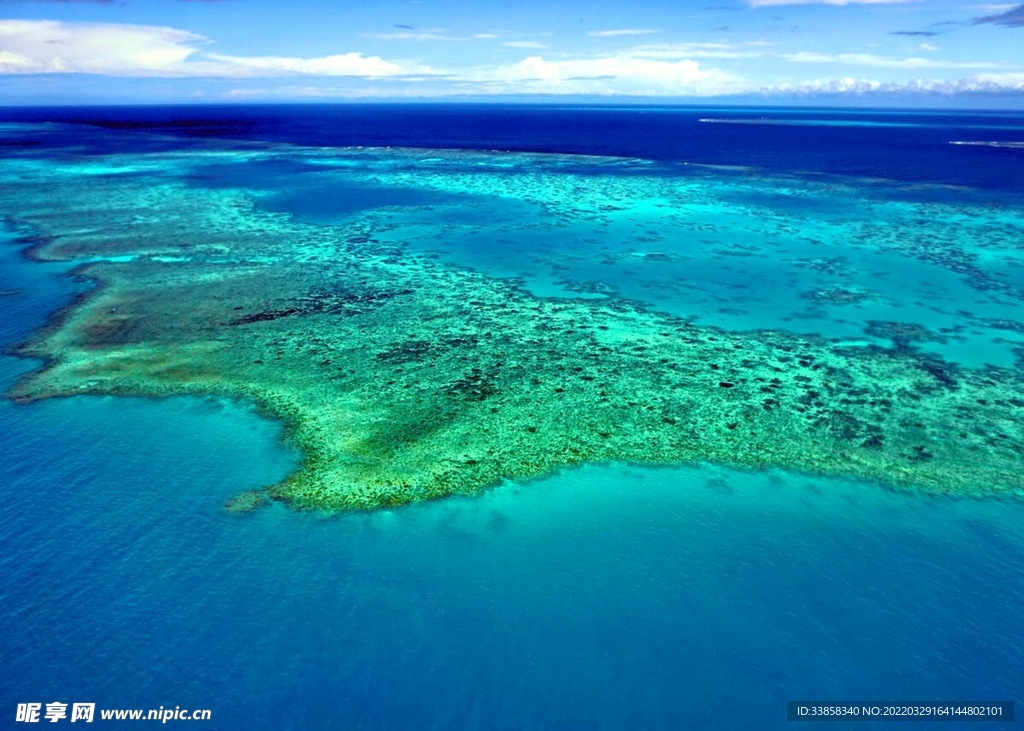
[603,596]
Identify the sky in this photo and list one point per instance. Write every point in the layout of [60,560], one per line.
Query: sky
[202,51]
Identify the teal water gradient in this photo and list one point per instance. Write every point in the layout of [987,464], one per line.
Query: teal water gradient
[604,597]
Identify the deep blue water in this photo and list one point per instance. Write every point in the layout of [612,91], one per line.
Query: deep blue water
[604,597]
[906,146]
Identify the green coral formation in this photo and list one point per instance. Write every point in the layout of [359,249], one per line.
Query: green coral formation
[401,377]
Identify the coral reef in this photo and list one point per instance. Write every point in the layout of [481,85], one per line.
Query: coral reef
[245,502]
[839,296]
[402,377]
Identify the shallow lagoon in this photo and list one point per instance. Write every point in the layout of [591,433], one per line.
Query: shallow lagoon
[733,249]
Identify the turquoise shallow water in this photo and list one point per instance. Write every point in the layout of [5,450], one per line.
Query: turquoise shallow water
[603,597]
[736,249]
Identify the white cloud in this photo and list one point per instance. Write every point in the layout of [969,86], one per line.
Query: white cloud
[346,64]
[49,46]
[113,49]
[621,32]
[773,3]
[986,83]
[698,50]
[438,34]
[524,44]
[868,59]
[990,83]
[1007,80]
[13,60]
[605,75]
[426,34]
[845,84]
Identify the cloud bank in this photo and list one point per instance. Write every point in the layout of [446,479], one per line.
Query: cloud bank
[115,49]
[694,69]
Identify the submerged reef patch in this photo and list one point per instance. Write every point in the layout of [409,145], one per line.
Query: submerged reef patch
[401,377]
[839,296]
[902,334]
